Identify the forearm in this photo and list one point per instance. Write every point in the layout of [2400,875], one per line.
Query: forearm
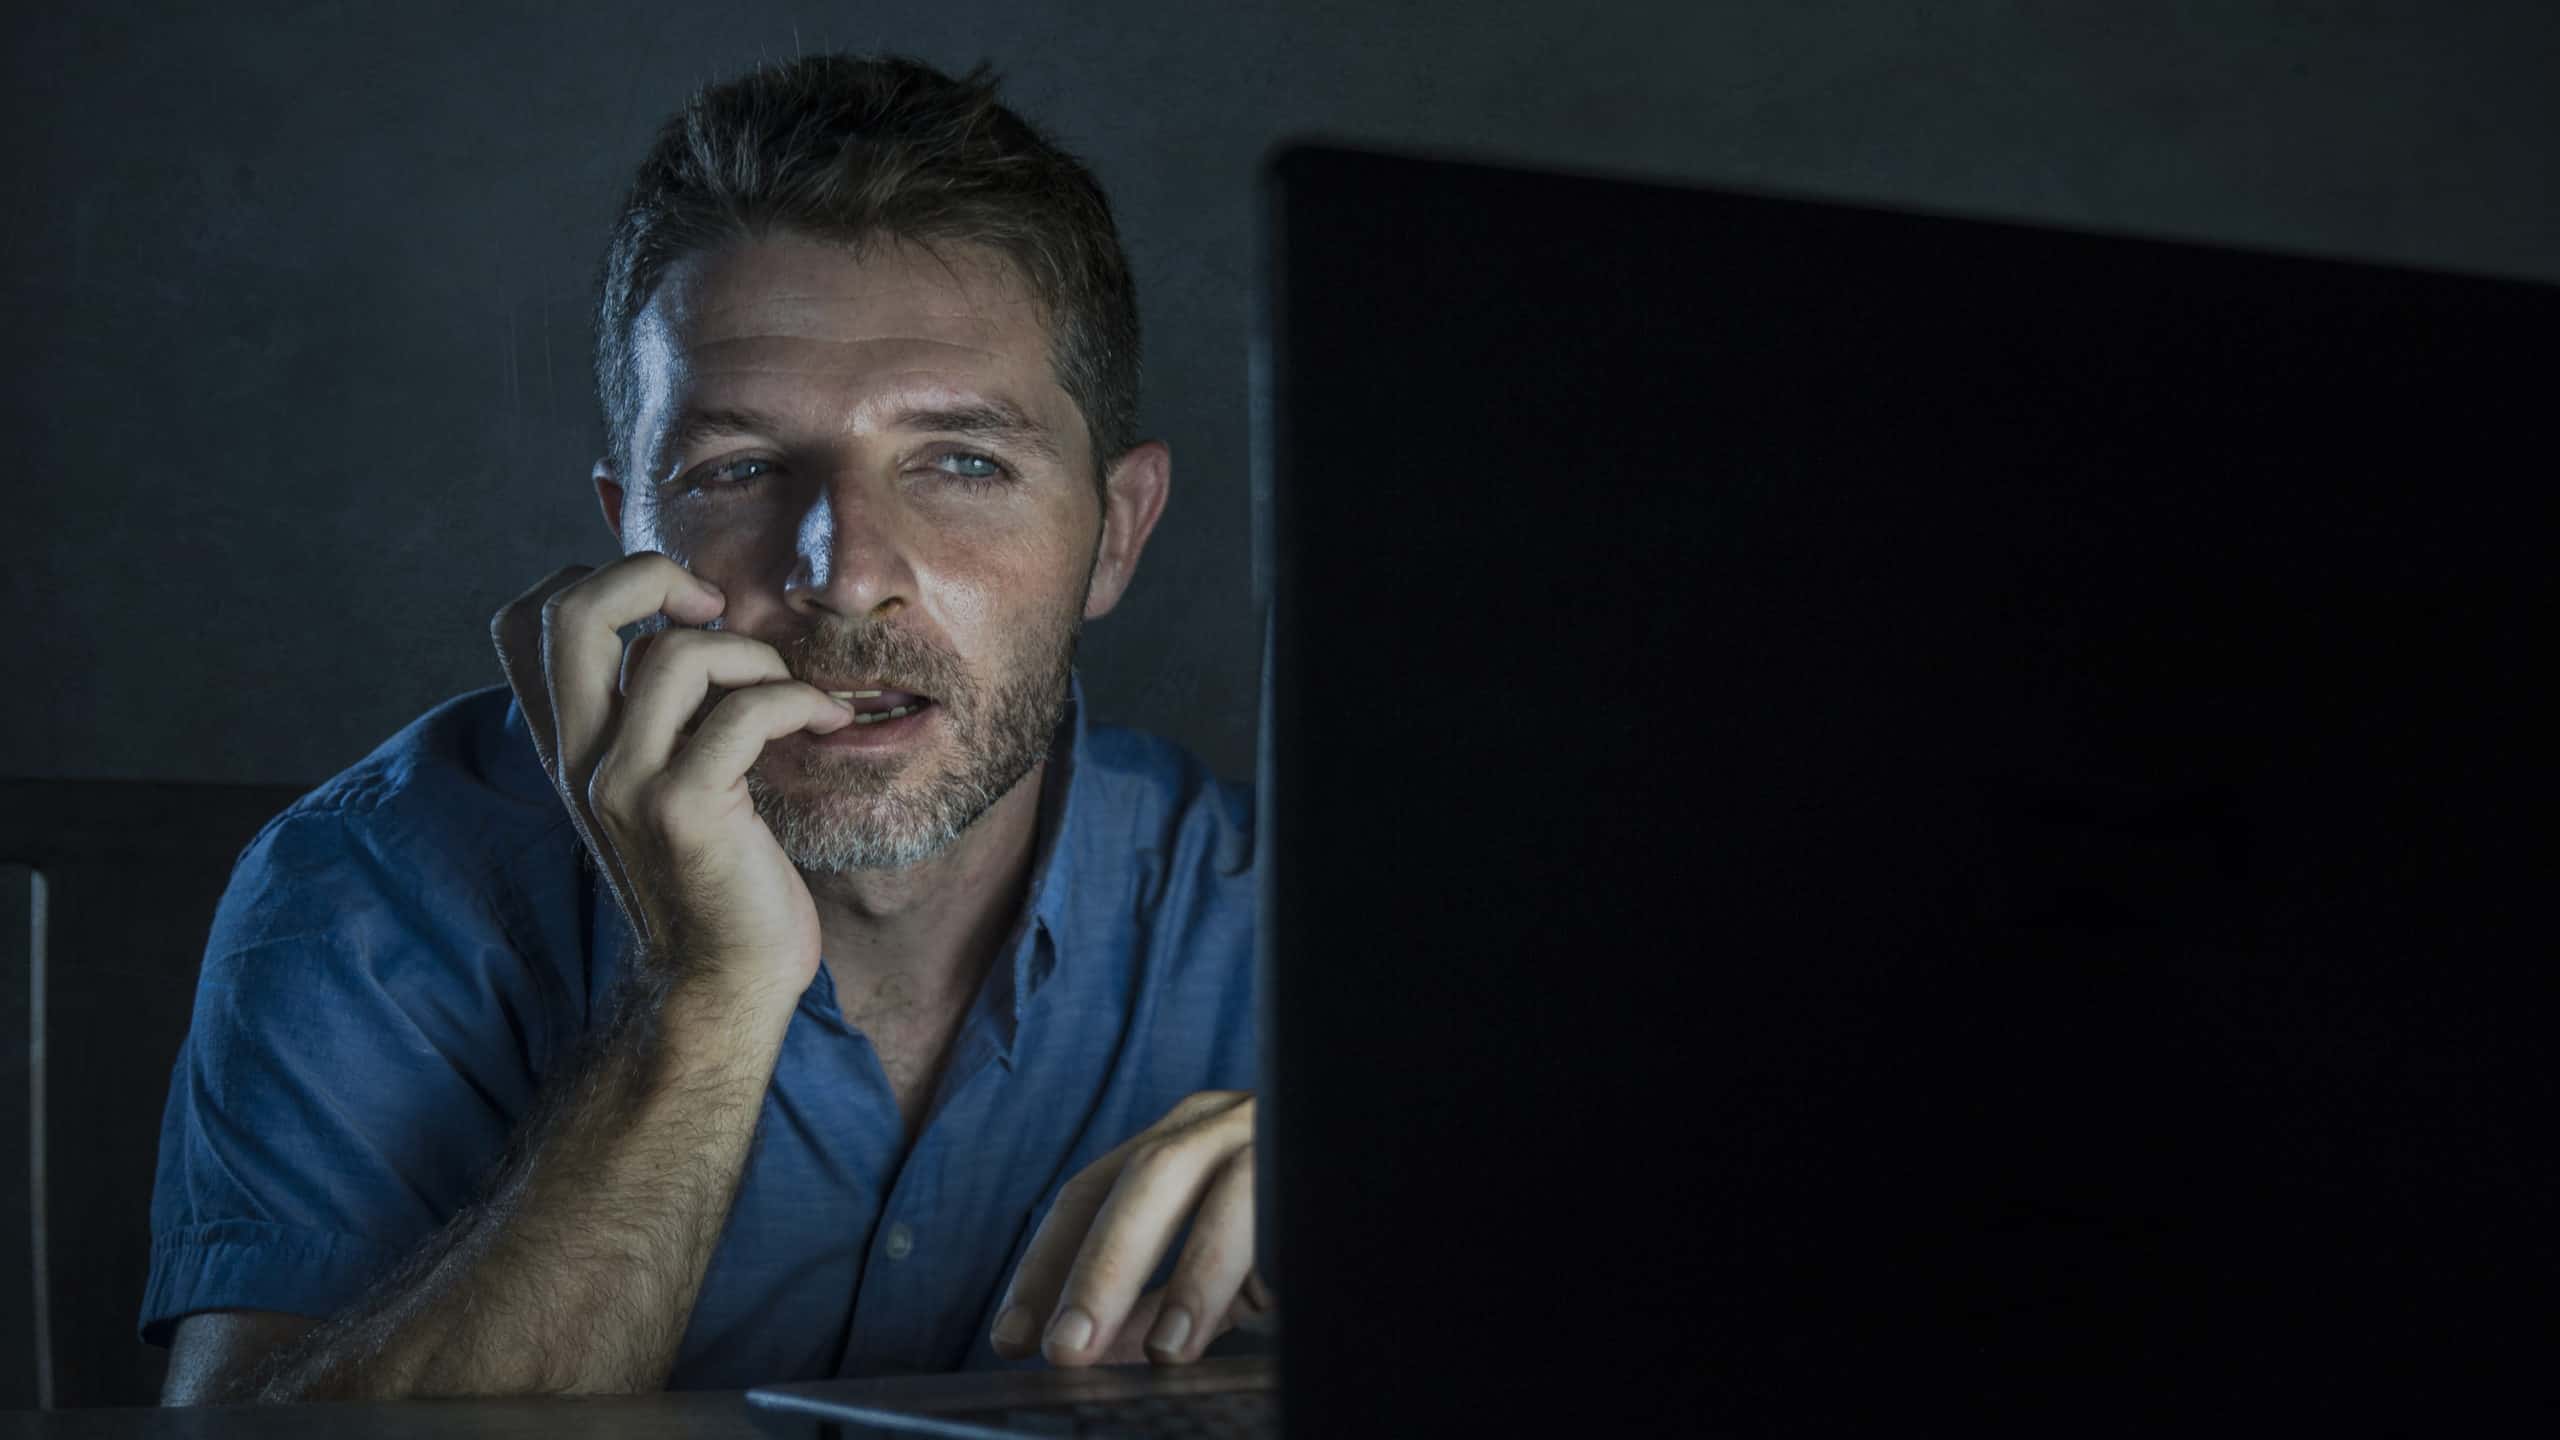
[578,1272]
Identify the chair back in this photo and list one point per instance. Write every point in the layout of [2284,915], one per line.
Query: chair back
[107,891]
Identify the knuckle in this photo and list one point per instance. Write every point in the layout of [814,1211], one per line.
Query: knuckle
[1152,1161]
[635,658]
[716,726]
[1203,1259]
[614,793]
[1206,1103]
[1199,1114]
[784,694]
[660,567]
[525,603]
[516,626]
[747,707]
[1097,1274]
[666,648]
[746,651]
[1078,1192]
[604,790]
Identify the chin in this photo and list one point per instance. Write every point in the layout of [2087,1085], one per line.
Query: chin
[845,813]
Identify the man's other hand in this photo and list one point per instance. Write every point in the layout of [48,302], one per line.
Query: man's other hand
[1074,1298]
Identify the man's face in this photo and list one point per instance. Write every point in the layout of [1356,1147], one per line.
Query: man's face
[866,515]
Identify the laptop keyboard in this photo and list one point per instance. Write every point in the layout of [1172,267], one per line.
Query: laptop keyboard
[1215,1415]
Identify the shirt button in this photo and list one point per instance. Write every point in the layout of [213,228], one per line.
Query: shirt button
[902,1242]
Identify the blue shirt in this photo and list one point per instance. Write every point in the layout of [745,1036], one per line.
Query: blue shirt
[405,952]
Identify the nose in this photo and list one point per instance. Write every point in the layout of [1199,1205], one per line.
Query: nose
[847,558]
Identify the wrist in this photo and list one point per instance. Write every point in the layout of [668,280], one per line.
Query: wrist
[709,1013]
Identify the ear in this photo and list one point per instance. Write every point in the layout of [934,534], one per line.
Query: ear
[1135,491]
[609,495]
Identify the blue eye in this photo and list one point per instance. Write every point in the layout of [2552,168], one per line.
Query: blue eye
[711,478]
[993,470]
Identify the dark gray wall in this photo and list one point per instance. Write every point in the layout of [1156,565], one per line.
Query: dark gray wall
[297,293]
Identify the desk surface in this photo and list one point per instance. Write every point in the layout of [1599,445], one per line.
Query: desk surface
[708,1414]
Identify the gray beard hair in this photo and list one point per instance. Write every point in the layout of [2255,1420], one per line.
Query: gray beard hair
[854,813]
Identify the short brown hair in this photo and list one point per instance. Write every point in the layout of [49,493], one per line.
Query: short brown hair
[857,148]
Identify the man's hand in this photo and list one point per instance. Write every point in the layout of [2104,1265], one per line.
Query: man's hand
[1075,1296]
[576,1270]
[655,777]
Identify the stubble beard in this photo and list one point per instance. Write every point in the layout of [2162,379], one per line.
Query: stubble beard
[844,811]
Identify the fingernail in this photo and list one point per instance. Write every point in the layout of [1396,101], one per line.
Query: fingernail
[1071,1330]
[1013,1327]
[1173,1327]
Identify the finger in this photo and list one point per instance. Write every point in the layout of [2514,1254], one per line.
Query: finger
[1042,1274]
[670,683]
[726,745]
[1043,1271]
[1208,1278]
[582,645]
[1159,1188]
[635,650]
[1129,1347]
[516,633]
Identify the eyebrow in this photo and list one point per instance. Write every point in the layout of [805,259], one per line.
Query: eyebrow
[994,421]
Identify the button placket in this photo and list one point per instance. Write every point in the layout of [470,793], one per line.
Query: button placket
[873,1344]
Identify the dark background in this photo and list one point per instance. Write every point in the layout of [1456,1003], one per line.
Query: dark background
[298,294]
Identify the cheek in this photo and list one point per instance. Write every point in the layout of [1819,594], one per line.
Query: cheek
[989,576]
[731,550]
[971,603]
[1004,601]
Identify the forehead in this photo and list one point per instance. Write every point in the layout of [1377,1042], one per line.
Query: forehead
[788,322]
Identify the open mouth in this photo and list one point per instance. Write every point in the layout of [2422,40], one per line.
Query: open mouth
[878,707]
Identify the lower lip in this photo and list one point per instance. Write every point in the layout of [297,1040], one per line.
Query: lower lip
[881,734]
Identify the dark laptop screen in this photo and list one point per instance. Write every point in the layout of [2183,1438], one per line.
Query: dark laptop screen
[1858,795]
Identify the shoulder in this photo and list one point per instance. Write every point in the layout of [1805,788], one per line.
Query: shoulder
[1164,883]
[444,843]
[457,790]
[1164,872]
[468,759]
[1155,799]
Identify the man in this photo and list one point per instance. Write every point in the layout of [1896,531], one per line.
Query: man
[804,987]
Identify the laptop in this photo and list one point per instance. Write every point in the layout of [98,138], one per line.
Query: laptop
[1872,817]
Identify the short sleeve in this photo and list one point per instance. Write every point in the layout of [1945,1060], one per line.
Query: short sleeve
[367,1034]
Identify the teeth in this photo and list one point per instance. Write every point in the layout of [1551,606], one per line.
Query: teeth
[855,694]
[888,715]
